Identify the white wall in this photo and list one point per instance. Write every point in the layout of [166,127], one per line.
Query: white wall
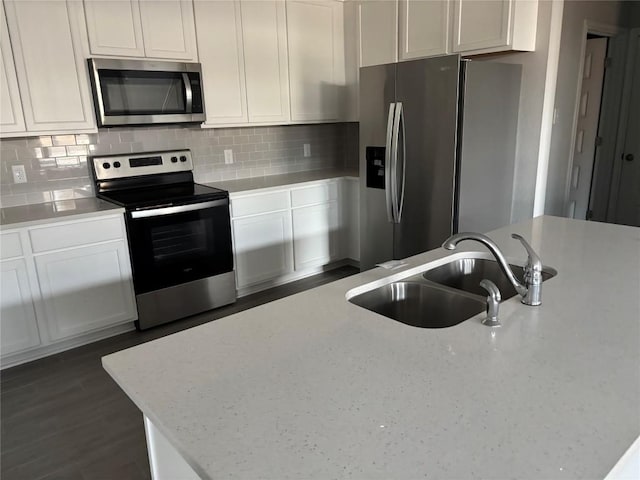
[575,13]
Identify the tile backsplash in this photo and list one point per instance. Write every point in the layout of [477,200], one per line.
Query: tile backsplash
[56,166]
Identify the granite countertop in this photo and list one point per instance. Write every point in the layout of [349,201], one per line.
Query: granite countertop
[40,213]
[270,181]
[311,386]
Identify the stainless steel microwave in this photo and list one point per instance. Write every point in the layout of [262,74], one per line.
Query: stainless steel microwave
[143,92]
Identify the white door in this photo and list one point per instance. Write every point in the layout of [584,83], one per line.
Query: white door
[263,249]
[479,24]
[378,32]
[18,327]
[114,27]
[11,118]
[587,127]
[628,195]
[168,29]
[51,64]
[265,60]
[424,28]
[315,32]
[85,289]
[219,34]
[315,235]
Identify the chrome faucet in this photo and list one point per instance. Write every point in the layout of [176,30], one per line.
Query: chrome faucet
[531,287]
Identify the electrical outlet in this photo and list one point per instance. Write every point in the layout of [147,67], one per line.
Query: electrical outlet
[19,174]
[228,156]
[307,149]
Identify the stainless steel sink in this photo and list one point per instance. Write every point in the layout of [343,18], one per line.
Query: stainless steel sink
[467,273]
[420,304]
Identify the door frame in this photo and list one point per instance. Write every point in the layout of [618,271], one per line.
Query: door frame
[603,30]
[632,45]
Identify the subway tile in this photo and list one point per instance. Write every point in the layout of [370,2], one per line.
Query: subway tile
[44,141]
[56,152]
[86,139]
[67,161]
[62,140]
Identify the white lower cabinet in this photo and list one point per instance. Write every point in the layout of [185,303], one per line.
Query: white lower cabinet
[281,235]
[315,235]
[60,291]
[18,325]
[263,249]
[86,288]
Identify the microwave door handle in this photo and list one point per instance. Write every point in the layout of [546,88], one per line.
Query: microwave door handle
[156,212]
[188,93]
[387,163]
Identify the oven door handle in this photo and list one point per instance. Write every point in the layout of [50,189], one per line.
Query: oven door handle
[156,212]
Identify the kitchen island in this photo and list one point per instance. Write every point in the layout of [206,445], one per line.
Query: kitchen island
[312,386]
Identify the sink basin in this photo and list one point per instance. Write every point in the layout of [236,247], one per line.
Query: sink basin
[466,274]
[419,304]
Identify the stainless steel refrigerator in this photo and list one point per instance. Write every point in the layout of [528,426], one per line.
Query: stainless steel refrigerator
[437,152]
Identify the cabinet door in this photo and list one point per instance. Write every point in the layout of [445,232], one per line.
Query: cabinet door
[262,245]
[114,27]
[378,32]
[315,32]
[168,29]
[479,24]
[17,315]
[424,28]
[87,288]
[50,64]
[265,60]
[11,118]
[315,235]
[219,34]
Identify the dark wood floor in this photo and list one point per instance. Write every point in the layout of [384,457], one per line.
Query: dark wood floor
[64,418]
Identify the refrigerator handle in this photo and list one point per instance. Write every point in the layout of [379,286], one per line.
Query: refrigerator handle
[400,197]
[387,163]
[394,164]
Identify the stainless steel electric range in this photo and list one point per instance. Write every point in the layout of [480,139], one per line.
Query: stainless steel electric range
[179,233]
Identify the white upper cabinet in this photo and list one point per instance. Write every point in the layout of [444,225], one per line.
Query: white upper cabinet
[158,29]
[265,56]
[315,32]
[484,26]
[424,28]
[50,51]
[114,27]
[243,52]
[378,31]
[168,29]
[11,118]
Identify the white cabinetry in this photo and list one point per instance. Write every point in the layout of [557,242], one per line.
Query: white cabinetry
[17,315]
[424,28]
[288,233]
[483,26]
[161,29]
[11,118]
[49,53]
[315,31]
[378,32]
[243,52]
[64,284]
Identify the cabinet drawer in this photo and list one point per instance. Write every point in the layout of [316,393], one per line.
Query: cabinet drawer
[261,203]
[322,193]
[10,245]
[76,234]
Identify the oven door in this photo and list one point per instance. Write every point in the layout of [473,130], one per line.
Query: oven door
[179,244]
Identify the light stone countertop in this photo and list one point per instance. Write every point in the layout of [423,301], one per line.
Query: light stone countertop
[61,210]
[314,387]
[287,179]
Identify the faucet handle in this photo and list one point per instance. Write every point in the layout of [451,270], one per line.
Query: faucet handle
[493,303]
[533,260]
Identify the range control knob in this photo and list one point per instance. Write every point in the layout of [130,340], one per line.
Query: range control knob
[116,164]
[183,158]
[174,159]
[106,165]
